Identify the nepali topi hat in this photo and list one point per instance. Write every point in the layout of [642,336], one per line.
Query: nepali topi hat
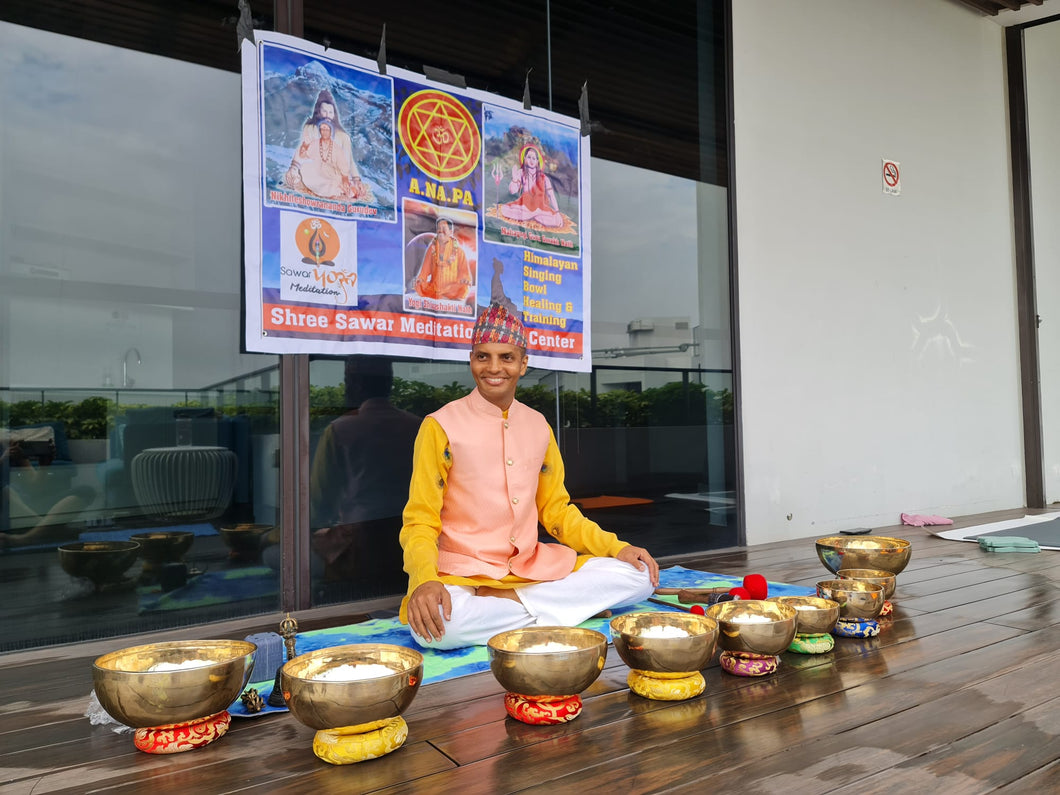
[497,324]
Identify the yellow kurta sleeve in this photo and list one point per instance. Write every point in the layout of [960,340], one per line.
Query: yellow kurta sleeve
[421,521]
[562,520]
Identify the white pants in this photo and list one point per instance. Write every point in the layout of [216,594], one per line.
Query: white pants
[600,584]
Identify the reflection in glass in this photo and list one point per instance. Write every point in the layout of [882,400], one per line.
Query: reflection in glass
[359,480]
[654,420]
[127,415]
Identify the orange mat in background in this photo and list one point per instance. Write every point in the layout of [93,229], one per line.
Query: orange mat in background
[604,501]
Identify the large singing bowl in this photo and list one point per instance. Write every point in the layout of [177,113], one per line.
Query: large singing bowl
[756,626]
[864,552]
[138,697]
[547,673]
[334,704]
[686,654]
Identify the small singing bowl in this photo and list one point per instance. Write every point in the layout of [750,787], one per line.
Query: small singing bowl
[158,547]
[757,626]
[864,552]
[522,662]
[321,702]
[133,694]
[884,578]
[813,615]
[102,562]
[650,641]
[856,599]
[245,539]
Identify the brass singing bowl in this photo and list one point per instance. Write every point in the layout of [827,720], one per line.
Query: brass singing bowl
[880,577]
[665,655]
[547,673]
[163,546]
[864,552]
[757,637]
[141,698]
[856,599]
[333,704]
[813,615]
[102,562]
[244,539]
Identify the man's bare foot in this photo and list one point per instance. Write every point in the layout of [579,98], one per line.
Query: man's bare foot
[500,593]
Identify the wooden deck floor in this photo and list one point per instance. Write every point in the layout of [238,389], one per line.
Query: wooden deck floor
[959,694]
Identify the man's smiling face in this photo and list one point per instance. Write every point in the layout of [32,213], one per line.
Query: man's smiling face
[496,368]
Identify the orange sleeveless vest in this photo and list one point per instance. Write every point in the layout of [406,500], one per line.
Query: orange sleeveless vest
[489,515]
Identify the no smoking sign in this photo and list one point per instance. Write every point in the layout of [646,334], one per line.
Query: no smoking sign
[892,177]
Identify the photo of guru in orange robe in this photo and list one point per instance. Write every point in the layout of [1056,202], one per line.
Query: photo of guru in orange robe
[444,272]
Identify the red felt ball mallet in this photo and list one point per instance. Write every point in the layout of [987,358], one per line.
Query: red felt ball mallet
[697,609]
[756,586]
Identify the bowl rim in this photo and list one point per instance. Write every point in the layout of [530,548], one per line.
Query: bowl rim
[883,574]
[721,607]
[331,650]
[600,638]
[872,586]
[785,600]
[249,648]
[843,541]
[681,616]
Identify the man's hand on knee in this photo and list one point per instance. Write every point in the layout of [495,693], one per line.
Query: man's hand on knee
[639,558]
[424,617]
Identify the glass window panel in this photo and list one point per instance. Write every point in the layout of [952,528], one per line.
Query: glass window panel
[126,408]
[654,420]
[1042,54]
[119,263]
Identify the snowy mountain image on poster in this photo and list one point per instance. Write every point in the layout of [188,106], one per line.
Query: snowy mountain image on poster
[328,132]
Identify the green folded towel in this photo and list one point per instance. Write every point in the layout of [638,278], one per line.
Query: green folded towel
[1008,544]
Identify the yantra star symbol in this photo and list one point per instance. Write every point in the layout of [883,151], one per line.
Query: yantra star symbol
[439,135]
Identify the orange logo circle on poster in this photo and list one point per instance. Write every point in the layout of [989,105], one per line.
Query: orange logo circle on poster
[317,240]
[439,135]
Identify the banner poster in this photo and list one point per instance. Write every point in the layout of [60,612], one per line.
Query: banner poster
[384,212]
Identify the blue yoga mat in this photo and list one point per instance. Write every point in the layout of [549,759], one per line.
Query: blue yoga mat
[440,665]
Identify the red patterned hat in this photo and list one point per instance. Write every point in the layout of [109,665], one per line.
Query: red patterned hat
[497,324]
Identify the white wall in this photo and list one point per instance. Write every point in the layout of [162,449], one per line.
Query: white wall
[878,335]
